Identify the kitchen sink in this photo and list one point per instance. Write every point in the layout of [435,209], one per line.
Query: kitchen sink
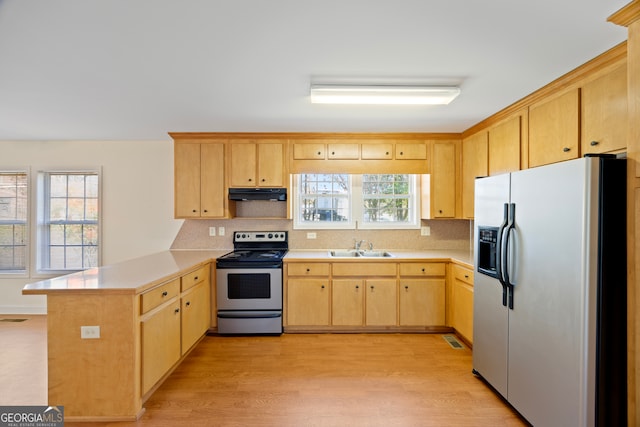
[352,253]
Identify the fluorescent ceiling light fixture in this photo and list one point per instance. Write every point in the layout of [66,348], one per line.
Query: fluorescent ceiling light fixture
[383,94]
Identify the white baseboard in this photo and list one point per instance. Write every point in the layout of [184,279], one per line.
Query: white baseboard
[4,309]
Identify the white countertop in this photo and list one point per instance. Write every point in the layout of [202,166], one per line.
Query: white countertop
[131,276]
[460,256]
[136,275]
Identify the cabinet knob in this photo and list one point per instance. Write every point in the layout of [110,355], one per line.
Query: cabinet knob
[386,153]
[357,286]
[165,293]
[308,270]
[423,269]
[594,143]
[319,153]
[333,153]
[263,180]
[194,211]
[372,287]
[205,211]
[402,153]
[566,149]
[188,303]
[195,278]
[322,286]
[250,179]
[439,210]
[466,276]
[177,310]
[406,287]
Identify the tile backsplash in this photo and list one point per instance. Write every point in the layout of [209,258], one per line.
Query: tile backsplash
[445,234]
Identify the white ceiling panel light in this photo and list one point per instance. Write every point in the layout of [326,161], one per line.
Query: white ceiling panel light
[383,94]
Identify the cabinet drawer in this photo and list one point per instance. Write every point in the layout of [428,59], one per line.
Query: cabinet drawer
[463,274]
[308,269]
[191,279]
[308,151]
[364,269]
[155,297]
[422,269]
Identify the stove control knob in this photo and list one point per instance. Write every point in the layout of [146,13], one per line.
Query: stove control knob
[271,236]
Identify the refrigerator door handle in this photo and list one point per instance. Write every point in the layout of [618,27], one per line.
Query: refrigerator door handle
[505,252]
[499,252]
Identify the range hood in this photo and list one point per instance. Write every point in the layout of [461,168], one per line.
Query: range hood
[245,194]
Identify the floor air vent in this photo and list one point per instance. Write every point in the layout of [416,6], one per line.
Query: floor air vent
[12,320]
[453,342]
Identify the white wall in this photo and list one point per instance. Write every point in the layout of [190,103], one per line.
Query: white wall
[137,199]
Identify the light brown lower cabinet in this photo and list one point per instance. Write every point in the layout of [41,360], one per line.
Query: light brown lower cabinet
[365,295]
[173,317]
[381,306]
[462,302]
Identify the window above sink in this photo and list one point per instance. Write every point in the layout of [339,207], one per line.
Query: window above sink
[345,201]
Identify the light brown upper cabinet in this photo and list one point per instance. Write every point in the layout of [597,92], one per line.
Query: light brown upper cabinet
[383,151]
[474,164]
[443,179]
[554,129]
[504,146]
[604,112]
[343,151]
[256,163]
[199,180]
[416,150]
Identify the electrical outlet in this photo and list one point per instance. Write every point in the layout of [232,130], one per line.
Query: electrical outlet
[89,332]
[425,231]
[220,231]
[311,235]
[212,231]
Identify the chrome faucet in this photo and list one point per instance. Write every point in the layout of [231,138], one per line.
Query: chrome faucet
[357,244]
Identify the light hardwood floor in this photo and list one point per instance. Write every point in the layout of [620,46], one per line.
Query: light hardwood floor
[294,380]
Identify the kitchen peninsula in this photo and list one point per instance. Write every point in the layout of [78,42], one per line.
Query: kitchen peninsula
[150,312]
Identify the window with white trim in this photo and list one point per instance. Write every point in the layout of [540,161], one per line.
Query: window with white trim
[68,228]
[343,201]
[14,197]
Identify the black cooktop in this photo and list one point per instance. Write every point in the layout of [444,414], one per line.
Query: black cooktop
[244,255]
[256,249]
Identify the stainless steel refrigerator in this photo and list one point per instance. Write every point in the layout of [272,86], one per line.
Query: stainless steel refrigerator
[550,291]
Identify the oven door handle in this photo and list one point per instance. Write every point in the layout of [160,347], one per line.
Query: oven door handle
[246,314]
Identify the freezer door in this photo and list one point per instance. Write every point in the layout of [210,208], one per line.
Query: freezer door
[551,327]
[490,317]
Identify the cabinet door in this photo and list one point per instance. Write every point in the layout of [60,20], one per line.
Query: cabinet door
[504,146]
[377,151]
[554,129]
[343,151]
[212,194]
[474,164]
[307,302]
[270,164]
[443,180]
[160,344]
[195,314]
[242,167]
[347,305]
[422,302]
[411,150]
[381,302]
[604,113]
[462,307]
[187,180]
[308,151]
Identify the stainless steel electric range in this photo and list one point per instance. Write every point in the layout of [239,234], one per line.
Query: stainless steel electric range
[249,283]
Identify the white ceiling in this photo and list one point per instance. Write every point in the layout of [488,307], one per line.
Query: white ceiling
[137,69]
